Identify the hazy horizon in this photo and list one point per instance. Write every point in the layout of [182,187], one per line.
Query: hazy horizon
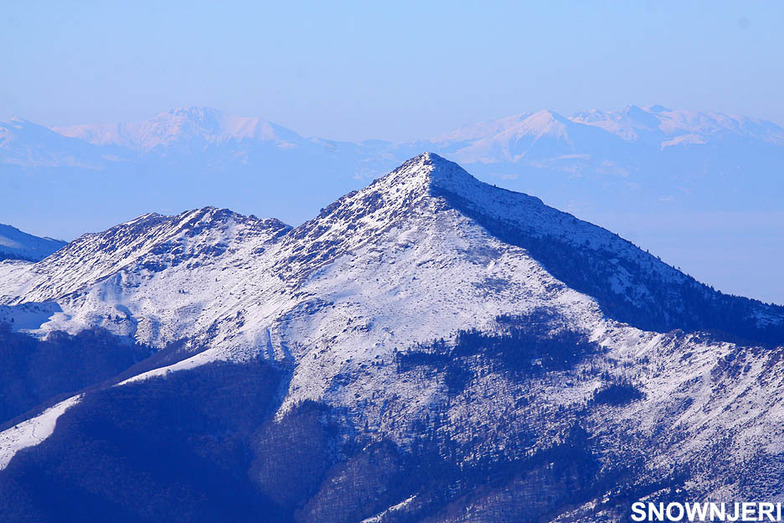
[391,72]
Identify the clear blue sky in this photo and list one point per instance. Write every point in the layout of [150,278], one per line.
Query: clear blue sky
[392,70]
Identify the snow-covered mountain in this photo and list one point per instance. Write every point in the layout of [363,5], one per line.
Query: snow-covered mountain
[18,245]
[655,126]
[671,128]
[527,138]
[623,169]
[429,346]
[542,135]
[185,127]
[642,156]
[581,143]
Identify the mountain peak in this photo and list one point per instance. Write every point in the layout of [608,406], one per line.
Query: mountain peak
[542,123]
[546,116]
[429,170]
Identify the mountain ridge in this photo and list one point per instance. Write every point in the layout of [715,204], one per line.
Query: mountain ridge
[631,285]
[409,353]
[207,126]
[182,124]
[696,166]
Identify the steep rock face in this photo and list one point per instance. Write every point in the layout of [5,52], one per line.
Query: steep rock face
[429,346]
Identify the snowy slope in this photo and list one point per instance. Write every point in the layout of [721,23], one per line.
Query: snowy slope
[342,302]
[541,137]
[94,275]
[127,262]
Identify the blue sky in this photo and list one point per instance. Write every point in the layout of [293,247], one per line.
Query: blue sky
[391,70]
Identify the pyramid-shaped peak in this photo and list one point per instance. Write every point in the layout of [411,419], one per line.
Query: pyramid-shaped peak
[542,123]
[427,171]
[429,162]
[544,119]
[545,115]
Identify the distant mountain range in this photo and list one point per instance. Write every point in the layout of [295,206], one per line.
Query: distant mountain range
[428,348]
[678,182]
[647,154]
[584,144]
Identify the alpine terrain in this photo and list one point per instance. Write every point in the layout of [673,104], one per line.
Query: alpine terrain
[428,348]
[686,185]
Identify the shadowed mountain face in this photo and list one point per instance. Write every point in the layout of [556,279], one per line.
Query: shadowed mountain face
[428,347]
[631,286]
[18,245]
[33,372]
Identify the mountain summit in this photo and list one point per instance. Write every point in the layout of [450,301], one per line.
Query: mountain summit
[631,285]
[618,168]
[427,347]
